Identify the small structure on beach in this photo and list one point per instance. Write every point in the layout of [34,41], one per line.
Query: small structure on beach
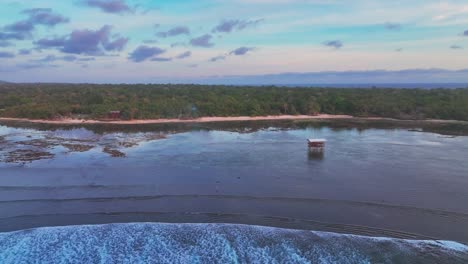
[114,115]
[315,144]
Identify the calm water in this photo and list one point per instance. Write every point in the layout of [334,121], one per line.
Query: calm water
[377,182]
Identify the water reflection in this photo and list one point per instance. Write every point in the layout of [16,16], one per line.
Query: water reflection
[316,154]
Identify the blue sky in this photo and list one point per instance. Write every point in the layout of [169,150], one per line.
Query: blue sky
[115,41]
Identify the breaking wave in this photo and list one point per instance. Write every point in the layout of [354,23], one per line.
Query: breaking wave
[214,243]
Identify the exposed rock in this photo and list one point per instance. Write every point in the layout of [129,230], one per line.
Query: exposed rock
[128,144]
[60,139]
[26,155]
[3,143]
[114,153]
[150,137]
[78,147]
[40,143]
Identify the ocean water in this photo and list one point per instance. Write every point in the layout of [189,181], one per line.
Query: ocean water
[214,243]
[409,187]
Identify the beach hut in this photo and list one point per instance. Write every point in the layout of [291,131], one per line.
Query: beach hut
[114,115]
[316,144]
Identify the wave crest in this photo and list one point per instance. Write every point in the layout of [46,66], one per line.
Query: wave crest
[214,243]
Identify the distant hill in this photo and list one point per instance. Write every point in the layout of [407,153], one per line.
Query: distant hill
[3,81]
[412,78]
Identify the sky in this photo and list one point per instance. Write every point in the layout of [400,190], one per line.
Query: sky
[231,41]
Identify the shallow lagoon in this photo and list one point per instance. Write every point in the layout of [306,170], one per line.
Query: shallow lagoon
[378,182]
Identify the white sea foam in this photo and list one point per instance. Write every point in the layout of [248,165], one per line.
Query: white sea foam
[214,243]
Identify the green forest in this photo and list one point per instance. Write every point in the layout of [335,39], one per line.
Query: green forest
[92,101]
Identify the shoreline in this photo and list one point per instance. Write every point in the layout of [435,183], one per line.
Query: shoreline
[72,121]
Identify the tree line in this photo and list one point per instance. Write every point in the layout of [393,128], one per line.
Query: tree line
[152,101]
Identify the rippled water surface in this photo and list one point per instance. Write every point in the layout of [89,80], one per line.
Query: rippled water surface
[378,182]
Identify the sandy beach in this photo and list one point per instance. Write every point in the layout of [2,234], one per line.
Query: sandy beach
[72,121]
[162,121]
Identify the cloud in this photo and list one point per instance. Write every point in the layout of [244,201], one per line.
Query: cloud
[87,59]
[117,45]
[165,59]
[393,26]
[45,16]
[227,26]
[109,6]
[143,53]
[87,42]
[23,29]
[37,16]
[52,58]
[150,41]
[241,51]
[202,41]
[69,58]
[4,54]
[161,59]
[184,55]
[237,52]
[180,30]
[336,44]
[28,66]
[20,30]
[4,43]
[24,52]
[12,36]
[218,58]
[456,47]
[46,43]
[20,26]
[48,58]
